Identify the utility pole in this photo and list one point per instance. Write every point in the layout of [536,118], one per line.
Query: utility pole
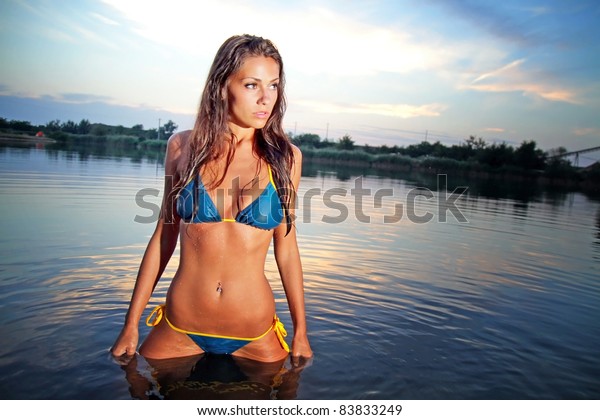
[158,138]
[327,132]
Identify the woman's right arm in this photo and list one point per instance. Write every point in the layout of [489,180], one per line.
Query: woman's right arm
[158,253]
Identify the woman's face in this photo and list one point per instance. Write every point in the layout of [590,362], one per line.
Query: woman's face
[252,92]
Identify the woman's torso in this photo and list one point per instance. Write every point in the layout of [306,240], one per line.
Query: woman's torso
[220,286]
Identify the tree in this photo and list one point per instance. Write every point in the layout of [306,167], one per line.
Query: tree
[69,127]
[138,130]
[326,143]
[422,149]
[496,155]
[369,149]
[119,129]
[475,143]
[20,125]
[346,143]
[151,133]
[99,130]
[307,139]
[438,149]
[557,165]
[527,156]
[557,152]
[460,152]
[53,125]
[84,127]
[168,129]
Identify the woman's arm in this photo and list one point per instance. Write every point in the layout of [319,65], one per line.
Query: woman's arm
[288,261]
[156,257]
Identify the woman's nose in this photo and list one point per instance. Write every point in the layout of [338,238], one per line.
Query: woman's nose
[266,96]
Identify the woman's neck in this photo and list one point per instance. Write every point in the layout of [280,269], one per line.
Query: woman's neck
[241,135]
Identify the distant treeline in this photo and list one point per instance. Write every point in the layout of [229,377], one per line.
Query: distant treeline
[70,132]
[473,156]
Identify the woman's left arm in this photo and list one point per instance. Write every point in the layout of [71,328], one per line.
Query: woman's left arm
[288,261]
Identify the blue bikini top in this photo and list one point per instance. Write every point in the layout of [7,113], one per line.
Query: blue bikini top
[194,205]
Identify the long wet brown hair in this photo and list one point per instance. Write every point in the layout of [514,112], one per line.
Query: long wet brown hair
[211,131]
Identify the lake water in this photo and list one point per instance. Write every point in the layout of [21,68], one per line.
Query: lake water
[499,301]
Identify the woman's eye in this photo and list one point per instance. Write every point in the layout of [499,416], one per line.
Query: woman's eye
[250,85]
[274,86]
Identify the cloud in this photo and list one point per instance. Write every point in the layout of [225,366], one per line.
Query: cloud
[586,131]
[503,70]
[62,98]
[513,78]
[40,110]
[56,35]
[312,40]
[404,111]
[504,20]
[104,19]
[64,24]
[90,35]
[537,10]
[494,130]
[83,98]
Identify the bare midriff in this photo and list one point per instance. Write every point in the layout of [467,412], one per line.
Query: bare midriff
[220,286]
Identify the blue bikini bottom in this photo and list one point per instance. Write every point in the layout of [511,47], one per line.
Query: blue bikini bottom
[218,344]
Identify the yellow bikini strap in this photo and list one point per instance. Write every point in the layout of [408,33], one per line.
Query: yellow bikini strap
[271,176]
[280,332]
[158,314]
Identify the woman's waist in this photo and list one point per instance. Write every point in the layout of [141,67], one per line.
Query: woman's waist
[207,264]
[221,306]
[224,241]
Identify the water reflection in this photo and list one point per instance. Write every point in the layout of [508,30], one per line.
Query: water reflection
[521,190]
[596,242]
[84,151]
[211,377]
[504,305]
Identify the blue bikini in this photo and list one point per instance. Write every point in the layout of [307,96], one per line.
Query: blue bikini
[218,344]
[194,205]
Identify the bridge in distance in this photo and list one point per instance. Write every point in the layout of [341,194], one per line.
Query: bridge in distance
[576,153]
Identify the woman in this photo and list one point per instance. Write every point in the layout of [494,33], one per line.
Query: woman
[229,189]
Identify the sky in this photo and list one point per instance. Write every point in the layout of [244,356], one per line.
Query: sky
[382,71]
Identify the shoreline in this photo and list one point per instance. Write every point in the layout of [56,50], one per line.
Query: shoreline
[578,180]
[541,179]
[7,139]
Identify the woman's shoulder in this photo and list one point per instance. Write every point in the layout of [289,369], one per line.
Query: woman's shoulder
[297,153]
[296,168]
[178,140]
[177,147]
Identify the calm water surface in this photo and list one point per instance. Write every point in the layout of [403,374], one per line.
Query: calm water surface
[502,306]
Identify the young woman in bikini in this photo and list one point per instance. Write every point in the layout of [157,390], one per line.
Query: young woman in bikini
[229,192]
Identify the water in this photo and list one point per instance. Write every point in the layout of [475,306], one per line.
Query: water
[503,306]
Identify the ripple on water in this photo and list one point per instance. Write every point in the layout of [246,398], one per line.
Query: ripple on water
[504,306]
